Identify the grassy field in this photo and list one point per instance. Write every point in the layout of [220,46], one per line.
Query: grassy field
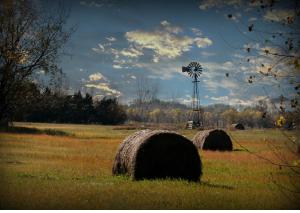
[39,170]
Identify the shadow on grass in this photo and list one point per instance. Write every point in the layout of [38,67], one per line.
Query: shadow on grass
[26,130]
[203,183]
[239,150]
[220,186]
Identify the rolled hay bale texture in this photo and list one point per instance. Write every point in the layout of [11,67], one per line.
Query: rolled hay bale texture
[214,139]
[151,154]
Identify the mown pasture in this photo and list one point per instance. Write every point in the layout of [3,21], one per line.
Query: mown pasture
[65,166]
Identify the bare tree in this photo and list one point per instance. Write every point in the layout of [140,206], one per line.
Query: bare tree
[275,53]
[146,91]
[30,41]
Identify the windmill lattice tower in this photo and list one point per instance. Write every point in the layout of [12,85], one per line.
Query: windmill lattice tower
[194,70]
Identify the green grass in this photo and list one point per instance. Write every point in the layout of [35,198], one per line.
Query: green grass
[73,171]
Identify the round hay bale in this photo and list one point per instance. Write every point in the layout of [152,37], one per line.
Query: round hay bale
[214,139]
[238,126]
[151,154]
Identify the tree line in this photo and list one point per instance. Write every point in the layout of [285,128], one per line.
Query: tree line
[215,115]
[57,107]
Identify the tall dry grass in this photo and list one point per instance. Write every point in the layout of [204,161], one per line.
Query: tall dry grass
[39,171]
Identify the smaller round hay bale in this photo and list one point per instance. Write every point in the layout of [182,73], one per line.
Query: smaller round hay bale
[238,126]
[151,154]
[214,139]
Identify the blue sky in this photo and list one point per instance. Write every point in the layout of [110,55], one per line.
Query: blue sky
[119,42]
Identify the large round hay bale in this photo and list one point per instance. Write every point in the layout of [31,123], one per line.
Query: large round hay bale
[150,154]
[214,139]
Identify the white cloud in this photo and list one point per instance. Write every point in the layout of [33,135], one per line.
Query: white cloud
[236,17]
[121,58]
[114,52]
[237,101]
[116,66]
[101,48]
[265,63]
[98,97]
[278,15]
[131,52]
[105,87]
[214,77]
[41,72]
[96,77]
[239,56]
[214,67]
[220,99]
[120,63]
[213,72]
[207,4]
[252,19]
[155,59]
[230,84]
[96,49]
[101,84]
[90,4]
[111,39]
[252,46]
[213,85]
[186,101]
[207,54]
[164,70]
[165,41]
[243,68]
[203,42]
[170,28]
[196,31]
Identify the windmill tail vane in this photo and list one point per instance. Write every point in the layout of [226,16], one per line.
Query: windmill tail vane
[185,69]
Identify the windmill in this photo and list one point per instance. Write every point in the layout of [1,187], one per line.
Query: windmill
[194,70]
